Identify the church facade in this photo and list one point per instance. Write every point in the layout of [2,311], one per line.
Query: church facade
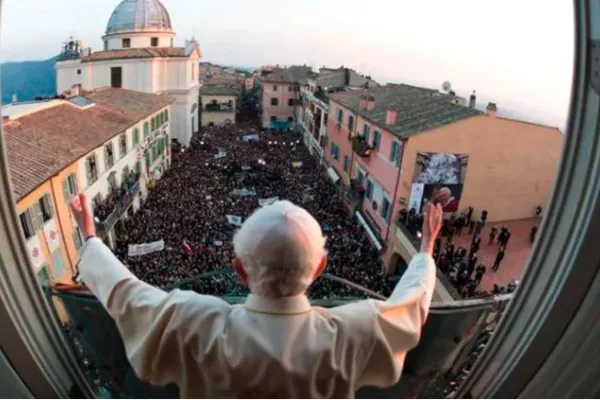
[139,54]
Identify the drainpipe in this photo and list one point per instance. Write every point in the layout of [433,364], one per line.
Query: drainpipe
[387,234]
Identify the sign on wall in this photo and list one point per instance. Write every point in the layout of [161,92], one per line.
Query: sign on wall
[438,177]
[36,254]
[52,235]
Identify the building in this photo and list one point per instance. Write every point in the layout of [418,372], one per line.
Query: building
[279,92]
[111,144]
[390,148]
[312,113]
[219,105]
[139,54]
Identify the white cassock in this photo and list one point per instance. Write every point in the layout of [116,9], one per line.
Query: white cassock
[265,347]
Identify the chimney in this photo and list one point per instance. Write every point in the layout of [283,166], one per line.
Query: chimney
[491,109]
[362,104]
[14,98]
[472,100]
[370,102]
[76,90]
[391,116]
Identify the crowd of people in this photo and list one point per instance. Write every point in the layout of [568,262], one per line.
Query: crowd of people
[460,264]
[225,172]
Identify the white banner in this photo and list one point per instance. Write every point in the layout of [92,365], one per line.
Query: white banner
[243,192]
[296,164]
[267,202]
[416,196]
[145,248]
[220,154]
[248,138]
[35,252]
[52,235]
[234,220]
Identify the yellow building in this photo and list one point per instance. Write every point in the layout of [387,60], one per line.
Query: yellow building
[219,105]
[48,144]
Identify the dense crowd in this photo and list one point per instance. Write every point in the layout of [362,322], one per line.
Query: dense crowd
[222,173]
[460,264]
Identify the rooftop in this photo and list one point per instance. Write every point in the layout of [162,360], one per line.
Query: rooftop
[293,74]
[144,52]
[418,109]
[42,143]
[219,91]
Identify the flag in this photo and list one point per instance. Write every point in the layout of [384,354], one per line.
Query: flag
[187,248]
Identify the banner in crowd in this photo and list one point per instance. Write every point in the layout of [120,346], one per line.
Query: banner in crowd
[296,164]
[246,168]
[234,220]
[267,202]
[221,154]
[249,138]
[145,248]
[218,243]
[442,176]
[243,192]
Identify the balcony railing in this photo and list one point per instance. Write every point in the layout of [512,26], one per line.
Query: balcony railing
[218,107]
[115,204]
[452,340]
[361,147]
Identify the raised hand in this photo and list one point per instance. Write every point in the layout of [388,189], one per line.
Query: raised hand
[432,224]
[83,215]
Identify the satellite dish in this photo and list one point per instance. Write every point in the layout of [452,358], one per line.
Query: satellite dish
[446,86]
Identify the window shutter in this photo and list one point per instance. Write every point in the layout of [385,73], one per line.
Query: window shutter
[75,187]
[32,220]
[49,204]
[66,189]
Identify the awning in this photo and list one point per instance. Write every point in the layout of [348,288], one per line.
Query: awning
[333,175]
[370,233]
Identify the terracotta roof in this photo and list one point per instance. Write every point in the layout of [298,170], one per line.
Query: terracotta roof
[219,91]
[418,109]
[144,52]
[293,74]
[41,144]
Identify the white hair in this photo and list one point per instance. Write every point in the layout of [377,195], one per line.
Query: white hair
[280,247]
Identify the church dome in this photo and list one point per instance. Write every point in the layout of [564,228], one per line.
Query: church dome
[139,16]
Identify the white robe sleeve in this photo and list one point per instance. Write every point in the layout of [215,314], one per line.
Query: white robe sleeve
[153,324]
[398,322]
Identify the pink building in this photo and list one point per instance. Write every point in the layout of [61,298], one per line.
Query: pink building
[380,140]
[279,96]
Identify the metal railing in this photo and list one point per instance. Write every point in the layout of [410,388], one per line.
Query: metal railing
[452,340]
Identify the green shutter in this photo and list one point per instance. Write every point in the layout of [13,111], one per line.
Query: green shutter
[75,185]
[66,190]
[50,205]
[146,133]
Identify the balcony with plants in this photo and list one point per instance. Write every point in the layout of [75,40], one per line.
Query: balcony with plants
[361,147]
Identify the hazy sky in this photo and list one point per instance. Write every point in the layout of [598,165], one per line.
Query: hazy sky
[518,53]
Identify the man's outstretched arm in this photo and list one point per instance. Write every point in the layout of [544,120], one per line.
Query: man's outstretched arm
[152,323]
[398,321]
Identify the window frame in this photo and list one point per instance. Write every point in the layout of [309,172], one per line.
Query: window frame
[274,101]
[126,43]
[154,40]
[535,364]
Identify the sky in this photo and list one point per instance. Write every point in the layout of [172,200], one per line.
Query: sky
[516,53]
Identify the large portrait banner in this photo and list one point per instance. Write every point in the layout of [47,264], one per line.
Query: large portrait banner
[439,177]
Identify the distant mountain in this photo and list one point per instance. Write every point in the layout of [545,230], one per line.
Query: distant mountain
[28,79]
